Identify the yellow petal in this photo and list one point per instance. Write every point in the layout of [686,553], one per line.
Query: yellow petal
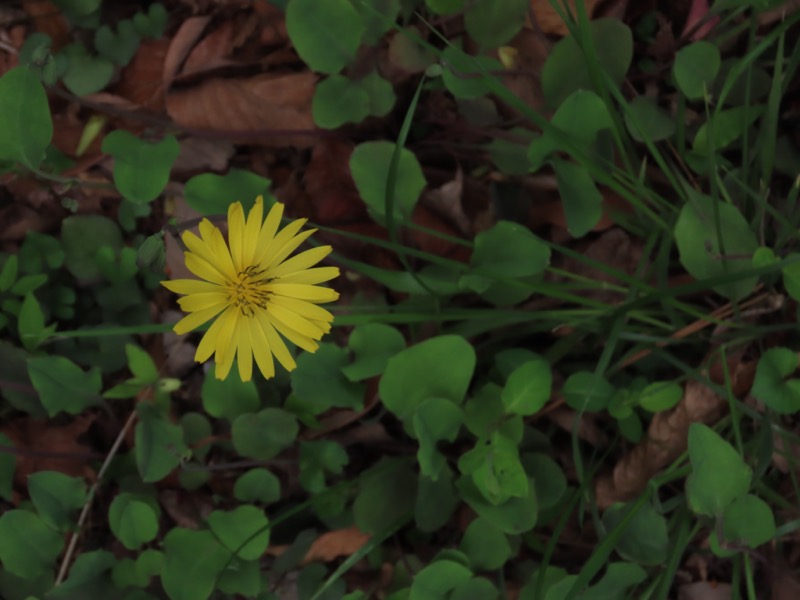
[244,352]
[311,276]
[203,269]
[296,322]
[268,229]
[198,246]
[303,292]
[236,234]
[301,262]
[203,301]
[254,221]
[226,344]
[208,345]
[190,286]
[302,308]
[261,350]
[264,257]
[277,255]
[324,325]
[194,320]
[222,254]
[275,342]
[297,338]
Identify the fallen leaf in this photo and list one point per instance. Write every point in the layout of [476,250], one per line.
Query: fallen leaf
[331,192]
[48,19]
[549,21]
[141,81]
[199,154]
[329,546]
[180,46]
[266,109]
[705,590]
[211,52]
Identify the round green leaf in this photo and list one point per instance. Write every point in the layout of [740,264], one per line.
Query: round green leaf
[380,92]
[647,122]
[257,485]
[719,475]
[319,382]
[548,478]
[695,68]
[244,531]
[85,74]
[772,385]
[326,34]
[699,245]
[28,546]
[515,516]
[192,562]
[387,496]
[63,386]
[25,124]
[56,496]
[372,345]
[82,236]
[466,76]
[439,367]
[211,194]
[486,546]
[228,398]
[369,165]
[338,100]
[264,434]
[748,521]
[436,500]
[586,391]
[528,388]
[141,169]
[317,458]
[137,525]
[436,580]
[582,201]
[661,395]
[435,419]
[492,23]
[159,444]
[645,539]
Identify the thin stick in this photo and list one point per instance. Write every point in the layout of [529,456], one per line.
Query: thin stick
[73,542]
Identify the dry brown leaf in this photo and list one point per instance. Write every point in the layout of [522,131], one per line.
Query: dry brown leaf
[48,19]
[141,81]
[252,110]
[587,429]
[211,51]
[446,201]
[666,439]
[705,590]
[548,19]
[531,49]
[331,191]
[203,155]
[334,544]
[180,46]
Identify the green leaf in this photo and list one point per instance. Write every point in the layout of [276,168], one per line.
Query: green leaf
[318,458]
[660,395]
[486,546]
[338,100]
[264,434]
[386,496]
[257,485]
[439,367]
[325,35]
[719,475]
[466,76]
[25,124]
[318,380]
[132,521]
[586,391]
[700,248]
[241,577]
[727,127]
[372,345]
[378,17]
[244,531]
[772,384]
[192,562]
[56,497]
[566,71]
[618,578]
[152,23]
[8,275]
[141,169]
[32,331]
[88,577]
[141,364]
[369,166]
[380,92]
[435,581]
[695,68]
[228,398]
[477,588]
[435,420]
[211,194]
[583,202]
[159,444]
[528,388]
[80,8]
[82,236]
[645,539]
[28,546]
[444,7]
[85,74]
[548,479]
[515,516]
[63,385]
[496,470]
[492,23]
[748,521]
[436,501]
[647,122]
[121,46]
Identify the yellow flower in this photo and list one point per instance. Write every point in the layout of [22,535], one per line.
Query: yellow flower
[254,291]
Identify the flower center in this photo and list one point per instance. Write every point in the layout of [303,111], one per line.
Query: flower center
[248,291]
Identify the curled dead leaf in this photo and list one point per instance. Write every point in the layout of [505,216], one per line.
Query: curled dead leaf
[330,545]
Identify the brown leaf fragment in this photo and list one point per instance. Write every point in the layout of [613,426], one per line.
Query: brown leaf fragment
[251,110]
[48,19]
[549,21]
[181,45]
[329,546]
[705,590]
[141,81]
[666,439]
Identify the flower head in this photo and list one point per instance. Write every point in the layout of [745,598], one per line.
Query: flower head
[254,291]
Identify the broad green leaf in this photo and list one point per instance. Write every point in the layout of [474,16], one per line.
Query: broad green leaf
[646,121]
[339,100]
[548,479]
[372,345]
[141,364]
[31,327]
[515,516]
[386,496]
[445,7]
[695,68]
[211,194]
[486,546]
[137,524]
[244,531]
[700,248]
[85,74]
[660,395]
[88,577]
[719,475]
[496,469]
[192,562]
[492,23]
[25,124]
[748,521]
[82,236]
[257,485]
[435,420]
[466,76]
[477,588]
[378,17]
[645,540]
[586,391]
[326,34]
[319,382]
[528,388]
[583,202]
[8,274]
[317,458]
[264,434]
[56,497]
[380,92]
[228,398]
[369,166]
[241,577]
[772,384]
[63,385]
[725,127]
[436,580]
[566,71]
[141,169]
[436,501]
[159,444]
[439,367]
[28,546]
[618,578]
[151,23]
[121,45]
